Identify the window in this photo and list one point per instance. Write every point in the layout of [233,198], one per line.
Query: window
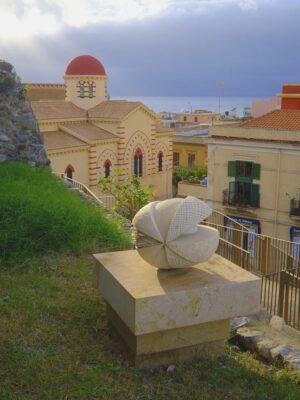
[91,91]
[184,118]
[191,160]
[81,91]
[160,161]
[295,238]
[196,119]
[243,194]
[86,88]
[69,171]
[107,166]
[244,170]
[176,159]
[248,238]
[138,163]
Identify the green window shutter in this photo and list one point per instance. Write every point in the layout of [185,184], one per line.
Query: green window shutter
[232,168]
[254,199]
[255,171]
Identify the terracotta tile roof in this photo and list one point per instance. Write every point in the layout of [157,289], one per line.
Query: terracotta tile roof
[113,109]
[56,109]
[284,120]
[89,131]
[40,91]
[60,140]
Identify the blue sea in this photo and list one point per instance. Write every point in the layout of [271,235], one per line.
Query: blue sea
[182,104]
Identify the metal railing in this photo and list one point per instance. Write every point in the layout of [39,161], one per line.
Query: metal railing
[239,200]
[276,261]
[80,186]
[280,295]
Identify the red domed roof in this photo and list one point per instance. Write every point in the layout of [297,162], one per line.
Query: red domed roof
[85,65]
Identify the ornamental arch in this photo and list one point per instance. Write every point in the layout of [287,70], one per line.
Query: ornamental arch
[107,156]
[138,141]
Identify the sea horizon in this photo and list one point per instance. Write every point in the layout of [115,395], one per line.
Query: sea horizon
[178,104]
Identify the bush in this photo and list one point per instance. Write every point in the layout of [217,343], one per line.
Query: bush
[130,196]
[38,214]
[191,174]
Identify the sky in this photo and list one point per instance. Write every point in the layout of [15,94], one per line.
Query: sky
[158,47]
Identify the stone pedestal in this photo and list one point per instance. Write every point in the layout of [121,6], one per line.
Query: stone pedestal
[165,316]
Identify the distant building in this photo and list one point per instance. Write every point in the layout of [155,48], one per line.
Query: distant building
[247,112]
[261,107]
[87,136]
[198,117]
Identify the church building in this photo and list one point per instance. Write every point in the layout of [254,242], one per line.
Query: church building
[88,136]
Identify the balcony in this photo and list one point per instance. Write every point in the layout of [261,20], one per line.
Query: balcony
[240,200]
[295,208]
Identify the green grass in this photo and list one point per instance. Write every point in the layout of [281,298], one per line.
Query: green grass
[55,344]
[39,214]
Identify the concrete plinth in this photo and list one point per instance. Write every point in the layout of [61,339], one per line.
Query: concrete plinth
[165,316]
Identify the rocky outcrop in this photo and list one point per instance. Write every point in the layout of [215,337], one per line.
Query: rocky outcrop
[270,338]
[20,138]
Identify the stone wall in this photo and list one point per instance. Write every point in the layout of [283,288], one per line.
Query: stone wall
[20,138]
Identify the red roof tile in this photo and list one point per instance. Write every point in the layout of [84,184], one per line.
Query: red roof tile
[283,120]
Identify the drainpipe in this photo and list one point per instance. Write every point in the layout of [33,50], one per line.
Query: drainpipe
[277,194]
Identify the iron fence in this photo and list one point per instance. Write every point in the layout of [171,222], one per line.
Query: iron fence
[275,260]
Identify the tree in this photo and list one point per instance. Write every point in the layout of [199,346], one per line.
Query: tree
[130,196]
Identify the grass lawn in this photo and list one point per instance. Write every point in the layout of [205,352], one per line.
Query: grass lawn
[55,344]
[39,214]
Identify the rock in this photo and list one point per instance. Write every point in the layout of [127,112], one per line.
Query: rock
[249,338]
[281,351]
[4,138]
[171,369]
[20,138]
[277,323]
[238,322]
[261,316]
[293,360]
[264,347]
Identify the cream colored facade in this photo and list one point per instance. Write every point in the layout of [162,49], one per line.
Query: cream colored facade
[100,83]
[270,199]
[84,134]
[278,155]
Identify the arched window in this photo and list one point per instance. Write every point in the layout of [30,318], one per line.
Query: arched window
[160,161]
[86,88]
[107,166]
[91,91]
[69,171]
[138,163]
[81,90]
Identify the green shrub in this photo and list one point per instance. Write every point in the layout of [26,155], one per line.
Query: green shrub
[38,214]
[191,174]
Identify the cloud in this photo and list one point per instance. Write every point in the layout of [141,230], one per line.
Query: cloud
[177,51]
[20,19]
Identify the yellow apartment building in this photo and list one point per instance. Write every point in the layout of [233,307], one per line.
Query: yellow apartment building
[189,150]
[87,136]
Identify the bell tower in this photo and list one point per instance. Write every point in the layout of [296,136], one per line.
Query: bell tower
[86,82]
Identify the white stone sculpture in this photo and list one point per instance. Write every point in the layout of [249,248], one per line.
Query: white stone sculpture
[167,234]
